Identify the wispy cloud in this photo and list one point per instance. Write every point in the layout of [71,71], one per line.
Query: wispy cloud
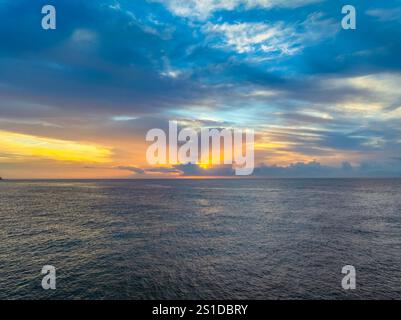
[202,9]
[392,14]
[270,40]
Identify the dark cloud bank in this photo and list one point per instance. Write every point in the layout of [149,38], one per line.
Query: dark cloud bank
[311,169]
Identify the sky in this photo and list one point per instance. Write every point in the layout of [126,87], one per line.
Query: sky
[76,102]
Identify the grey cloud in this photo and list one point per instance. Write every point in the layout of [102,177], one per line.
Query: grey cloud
[312,169]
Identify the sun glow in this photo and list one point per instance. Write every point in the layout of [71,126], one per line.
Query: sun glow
[204,165]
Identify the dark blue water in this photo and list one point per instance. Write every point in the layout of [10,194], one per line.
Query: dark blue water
[201,239]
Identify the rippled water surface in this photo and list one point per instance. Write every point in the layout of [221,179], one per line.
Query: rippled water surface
[201,239]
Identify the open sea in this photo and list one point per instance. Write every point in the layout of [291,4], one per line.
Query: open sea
[201,239]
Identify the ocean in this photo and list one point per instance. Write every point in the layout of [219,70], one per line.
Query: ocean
[201,239]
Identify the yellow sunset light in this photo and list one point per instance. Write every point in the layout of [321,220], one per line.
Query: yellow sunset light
[29,146]
[204,165]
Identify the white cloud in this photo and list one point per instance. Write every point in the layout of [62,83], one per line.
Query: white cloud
[169,71]
[393,14]
[249,37]
[84,35]
[379,96]
[272,40]
[202,9]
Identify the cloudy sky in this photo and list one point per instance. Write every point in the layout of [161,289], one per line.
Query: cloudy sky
[76,102]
